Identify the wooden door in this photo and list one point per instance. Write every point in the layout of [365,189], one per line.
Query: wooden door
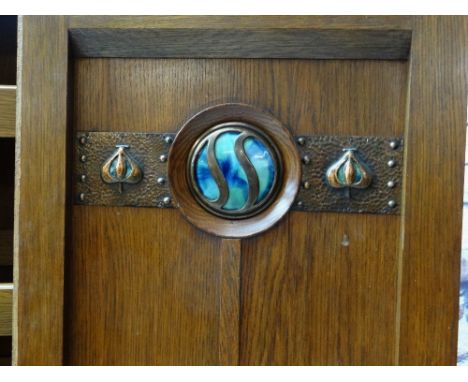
[141,285]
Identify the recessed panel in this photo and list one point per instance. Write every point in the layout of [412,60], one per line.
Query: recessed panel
[317,288]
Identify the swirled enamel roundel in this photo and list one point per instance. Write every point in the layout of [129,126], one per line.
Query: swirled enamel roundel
[234,170]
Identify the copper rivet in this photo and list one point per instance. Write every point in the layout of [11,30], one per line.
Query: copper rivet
[390,184]
[82,196]
[306,185]
[391,203]
[163,158]
[168,139]
[82,140]
[301,141]
[391,163]
[306,159]
[393,145]
[83,178]
[83,158]
[167,200]
[161,180]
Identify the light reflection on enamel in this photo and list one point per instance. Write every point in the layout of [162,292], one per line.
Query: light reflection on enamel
[233,172]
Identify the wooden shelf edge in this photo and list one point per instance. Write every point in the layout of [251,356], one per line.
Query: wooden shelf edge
[6,309]
[7,111]
[6,248]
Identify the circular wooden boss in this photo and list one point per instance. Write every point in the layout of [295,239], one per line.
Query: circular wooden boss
[179,156]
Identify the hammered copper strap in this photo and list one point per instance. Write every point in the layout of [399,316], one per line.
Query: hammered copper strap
[383,158]
[92,149]
[374,152]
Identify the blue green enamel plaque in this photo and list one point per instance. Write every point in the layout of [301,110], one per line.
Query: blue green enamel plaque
[234,170]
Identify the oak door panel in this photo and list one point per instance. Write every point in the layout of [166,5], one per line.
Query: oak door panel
[323,288]
[143,285]
[142,289]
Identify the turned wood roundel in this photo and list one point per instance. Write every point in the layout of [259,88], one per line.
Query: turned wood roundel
[234,170]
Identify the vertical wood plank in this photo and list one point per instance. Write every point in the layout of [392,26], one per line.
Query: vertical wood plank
[308,295]
[433,192]
[142,284]
[142,288]
[39,232]
[229,314]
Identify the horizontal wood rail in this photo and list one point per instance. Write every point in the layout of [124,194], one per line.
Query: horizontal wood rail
[301,43]
[7,111]
[6,247]
[6,309]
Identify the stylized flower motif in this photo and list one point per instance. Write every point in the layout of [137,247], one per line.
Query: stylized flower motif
[121,168]
[349,171]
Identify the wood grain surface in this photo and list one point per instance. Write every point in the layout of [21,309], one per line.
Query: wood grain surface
[308,298]
[244,22]
[320,289]
[241,43]
[142,289]
[189,279]
[120,253]
[435,150]
[6,309]
[39,232]
[7,111]
[229,307]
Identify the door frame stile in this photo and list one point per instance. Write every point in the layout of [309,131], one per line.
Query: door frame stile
[40,190]
[433,191]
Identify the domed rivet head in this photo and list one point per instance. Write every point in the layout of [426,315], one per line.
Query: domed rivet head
[391,203]
[393,145]
[306,185]
[306,159]
[390,184]
[81,197]
[391,163]
[300,203]
[161,180]
[82,140]
[163,158]
[83,158]
[166,200]
[83,178]
[168,139]
[301,141]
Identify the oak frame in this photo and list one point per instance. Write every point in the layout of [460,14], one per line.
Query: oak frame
[290,174]
[430,219]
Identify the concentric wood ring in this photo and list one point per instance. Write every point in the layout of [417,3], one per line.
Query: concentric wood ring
[179,155]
